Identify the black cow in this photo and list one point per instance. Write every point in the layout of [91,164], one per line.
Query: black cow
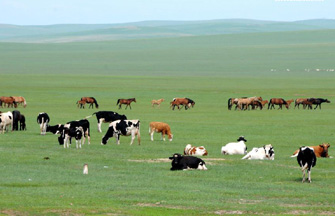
[23,123]
[56,129]
[43,119]
[16,119]
[107,117]
[124,128]
[318,101]
[180,162]
[306,159]
[66,133]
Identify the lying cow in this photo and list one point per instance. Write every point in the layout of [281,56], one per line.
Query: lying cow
[180,162]
[124,128]
[195,151]
[264,153]
[306,159]
[235,147]
[107,117]
[68,133]
[320,150]
[43,119]
[6,121]
[160,127]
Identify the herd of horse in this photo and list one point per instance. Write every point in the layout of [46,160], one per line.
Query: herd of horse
[12,101]
[245,103]
[176,102]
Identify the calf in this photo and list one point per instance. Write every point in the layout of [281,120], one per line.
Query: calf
[264,153]
[124,128]
[43,119]
[6,120]
[196,151]
[306,159]
[68,133]
[180,162]
[84,123]
[320,150]
[235,147]
[107,117]
[160,127]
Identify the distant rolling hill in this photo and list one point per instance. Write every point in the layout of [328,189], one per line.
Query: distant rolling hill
[150,29]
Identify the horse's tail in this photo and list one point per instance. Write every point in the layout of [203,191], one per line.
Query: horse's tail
[118,101]
[229,103]
[24,102]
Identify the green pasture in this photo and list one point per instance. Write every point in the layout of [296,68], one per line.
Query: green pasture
[135,180]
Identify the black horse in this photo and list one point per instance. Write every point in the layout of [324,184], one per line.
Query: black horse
[318,101]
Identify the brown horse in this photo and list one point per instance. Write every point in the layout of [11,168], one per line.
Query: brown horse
[289,103]
[277,101]
[91,101]
[7,100]
[299,101]
[157,102]
[20,100]
[125,101]
[81,104]
[188,103]
[244,103]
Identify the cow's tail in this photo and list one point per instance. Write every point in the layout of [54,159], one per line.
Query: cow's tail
[118,101]
[90,116]
[294,155]
[229,103]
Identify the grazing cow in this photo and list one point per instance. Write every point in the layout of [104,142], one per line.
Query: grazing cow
[124,128]
[23,123]
[320,150]
[16,119]
[160,127]
[180,162]
[235,147]
[56,129]
[264,153]
[68,133]
[195,151]
[43,119]
[107,117]
[6,120]
[84,124]
[306,159]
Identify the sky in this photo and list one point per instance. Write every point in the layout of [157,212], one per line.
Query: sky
[48,12]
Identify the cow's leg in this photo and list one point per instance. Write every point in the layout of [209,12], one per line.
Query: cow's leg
[99,125]
[133,134]
[309,176]
[152,134]
[163,136]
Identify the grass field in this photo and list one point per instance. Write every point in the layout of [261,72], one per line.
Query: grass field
[128,180]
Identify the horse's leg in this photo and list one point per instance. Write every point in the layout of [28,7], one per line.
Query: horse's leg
[129,106]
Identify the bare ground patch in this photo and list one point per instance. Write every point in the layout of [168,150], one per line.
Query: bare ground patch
[160,205]
[166,160]
[11,212]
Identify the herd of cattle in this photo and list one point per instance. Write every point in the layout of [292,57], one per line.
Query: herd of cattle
[245,103]
[119,125]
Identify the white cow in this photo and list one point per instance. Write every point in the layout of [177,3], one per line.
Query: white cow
[6,120]
[235,147]
[264,153]
[195,151]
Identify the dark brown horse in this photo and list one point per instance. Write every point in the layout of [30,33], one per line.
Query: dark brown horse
[187,102]
[277,101]
[125,101]
[91,101]
[10,101]
[318,101]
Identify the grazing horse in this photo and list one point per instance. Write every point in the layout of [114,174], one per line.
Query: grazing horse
[9,101]
[20,100]
[289,103]
[299,101]
[232,101]
[157,102]
[125,101]
[81,104]
[188,103]
[278,101]
[243,103]
[91,101]
[318,101]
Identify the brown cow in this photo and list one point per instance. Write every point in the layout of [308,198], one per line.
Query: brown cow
[160,127]
[320,150]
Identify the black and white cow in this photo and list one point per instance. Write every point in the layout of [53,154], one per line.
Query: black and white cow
[107,117]
[6,120]
[56,129]
[23,123]
[43,119]
[306,159]
[16,119]
[73,129]
[124,128]
[68,133]
[180,162]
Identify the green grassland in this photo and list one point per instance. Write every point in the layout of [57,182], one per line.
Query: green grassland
[129,180]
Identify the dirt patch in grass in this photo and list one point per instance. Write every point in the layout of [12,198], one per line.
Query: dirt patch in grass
[63,212]
[166,160]
[11,212]
[160,205]
[227,212]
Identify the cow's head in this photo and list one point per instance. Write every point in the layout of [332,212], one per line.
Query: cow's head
[324,147]
[241,138]
[269,151]
[176,158]
[170,137]
[79,131]
[61,139]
